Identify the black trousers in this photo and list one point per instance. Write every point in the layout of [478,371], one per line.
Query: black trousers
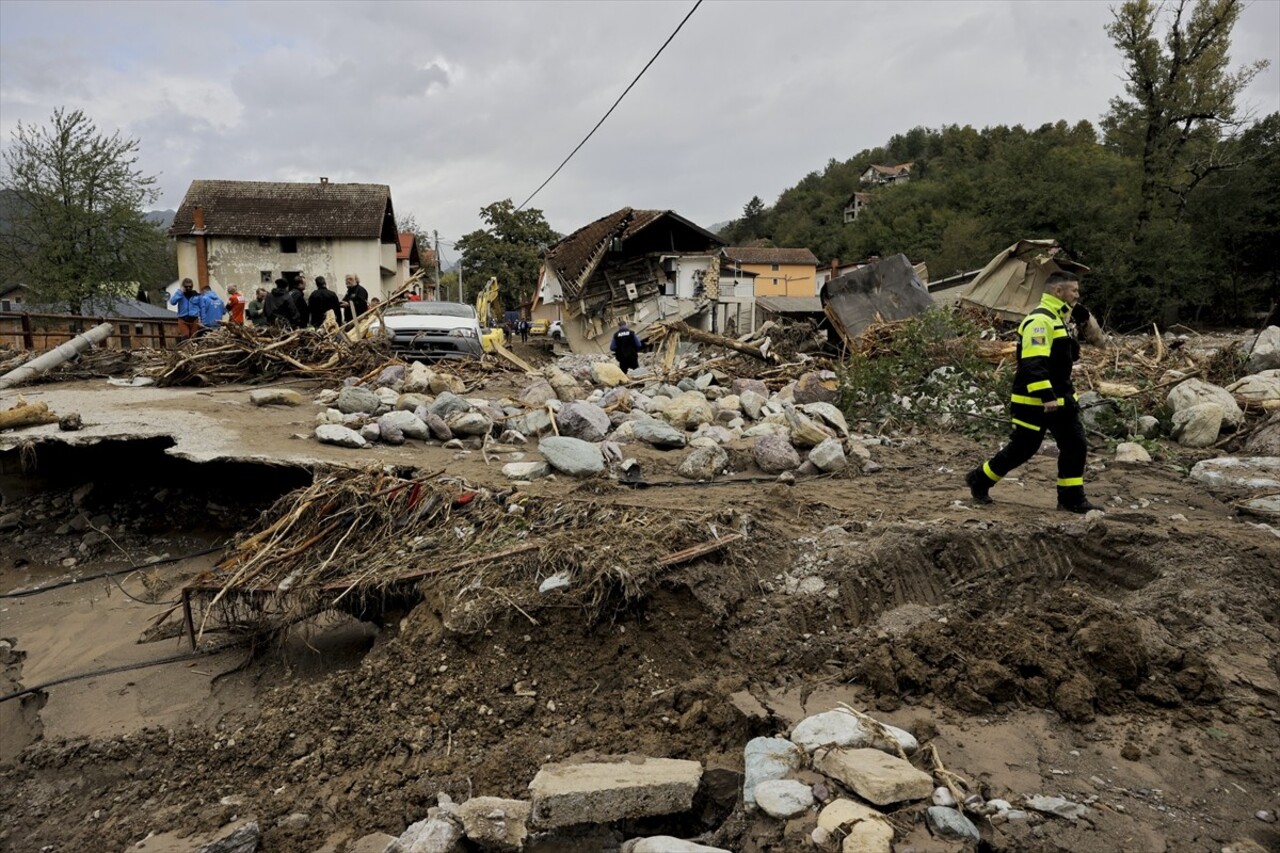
[1067,431]
[627,360]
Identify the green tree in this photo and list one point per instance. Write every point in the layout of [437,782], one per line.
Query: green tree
[753,210]
[507,248]
[74,228]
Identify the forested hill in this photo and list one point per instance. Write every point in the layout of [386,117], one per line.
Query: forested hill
[974,192]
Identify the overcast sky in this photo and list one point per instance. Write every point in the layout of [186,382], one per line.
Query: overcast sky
[456,105]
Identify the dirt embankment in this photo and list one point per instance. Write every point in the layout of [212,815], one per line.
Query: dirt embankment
[1131,658]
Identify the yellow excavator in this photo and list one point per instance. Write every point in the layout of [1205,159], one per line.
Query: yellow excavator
[486,299]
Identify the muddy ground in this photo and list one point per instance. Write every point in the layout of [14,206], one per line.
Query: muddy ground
[1132,658]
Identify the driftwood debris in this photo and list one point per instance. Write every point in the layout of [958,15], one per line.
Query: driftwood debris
[698,336]
[26,414]
[57,355]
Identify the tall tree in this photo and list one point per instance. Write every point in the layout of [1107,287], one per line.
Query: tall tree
[75,229]
[1180,97]
[507,248]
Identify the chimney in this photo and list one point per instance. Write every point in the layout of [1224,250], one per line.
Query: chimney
[323,180]
[202,248]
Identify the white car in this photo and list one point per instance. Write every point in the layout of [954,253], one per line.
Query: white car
[556,331]
[431,330]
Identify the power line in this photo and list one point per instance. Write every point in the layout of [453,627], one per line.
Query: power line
[612,108]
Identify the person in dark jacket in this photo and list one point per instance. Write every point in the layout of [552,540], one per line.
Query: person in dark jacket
[322,301]
[356,300]
[279,308]
[256,310]
[1044,398]
[625,347]
[298,296]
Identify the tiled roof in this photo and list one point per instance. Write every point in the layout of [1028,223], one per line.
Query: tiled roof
[273,209]
[759,255]
[575,256]
[893,171]
[404,245]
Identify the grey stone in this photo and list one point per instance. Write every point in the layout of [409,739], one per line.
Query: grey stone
[407,422]
[840,728]
[560,580]
[296,820]
[339,435]
[441,382]
[436,834]
[10,521]
[374,842]
[689,410]
[752,404]
[783,798]
[468,423]
[703,463]
[774,454]
[805,432]
[829,415]
[583,420]
[372,432]
[873,775]
[1193,392]
[766,758]
[1058,807]
[412,402]
[1264,440]
[829,455]
[1265,352]
[566,387]
[538,393]
[243,839]
[525,470]
[275,397]
[1198,425]
[950,824]
[815,388]
[1132,453]
[658,433]
[391,375]
[1259,388]
[1148,426]
[354,399]
[666,844]
[755,385]
[495,823]
[1253,473]
[436,425]
[447,403]
[865,830]
[607,373]
[417,379]
[572,456]
[388,396]
[599,792]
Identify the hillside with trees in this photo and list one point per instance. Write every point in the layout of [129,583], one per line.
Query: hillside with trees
[1173,201]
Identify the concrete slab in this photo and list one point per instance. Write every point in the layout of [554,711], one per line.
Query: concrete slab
[567,794]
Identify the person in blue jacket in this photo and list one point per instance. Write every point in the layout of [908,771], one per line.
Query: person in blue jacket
[188,302]
[211,310]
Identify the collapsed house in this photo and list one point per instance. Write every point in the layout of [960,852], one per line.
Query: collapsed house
[638,266]
[880,292]
[1012,282]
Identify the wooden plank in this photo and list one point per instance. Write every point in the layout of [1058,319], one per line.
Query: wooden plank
[695,551]
[512,357]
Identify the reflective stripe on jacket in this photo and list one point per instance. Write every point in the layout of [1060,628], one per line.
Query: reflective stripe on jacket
[1046,351]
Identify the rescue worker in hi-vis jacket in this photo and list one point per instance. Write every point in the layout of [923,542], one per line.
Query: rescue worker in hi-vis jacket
[1044,399]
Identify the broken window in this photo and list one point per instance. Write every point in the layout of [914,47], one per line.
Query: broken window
[264,242]
[289,245]
[265,275]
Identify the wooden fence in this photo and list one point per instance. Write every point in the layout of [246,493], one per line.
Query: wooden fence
[38,332]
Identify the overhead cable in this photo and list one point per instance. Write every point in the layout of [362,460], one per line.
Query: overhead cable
[611,109]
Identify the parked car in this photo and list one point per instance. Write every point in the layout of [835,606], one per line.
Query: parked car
[556,332]
[431,330]
[539,327]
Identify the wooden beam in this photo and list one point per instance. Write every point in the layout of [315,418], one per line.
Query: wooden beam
[695,551]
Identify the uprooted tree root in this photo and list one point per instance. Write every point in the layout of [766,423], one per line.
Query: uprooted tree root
[367,542]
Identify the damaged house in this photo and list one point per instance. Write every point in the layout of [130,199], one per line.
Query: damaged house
[641,266]
[249,233]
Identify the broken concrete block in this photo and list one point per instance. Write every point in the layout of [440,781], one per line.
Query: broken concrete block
[874,775]
[525,470]
[339,435]
[495,823]
[567,794]
[275,397]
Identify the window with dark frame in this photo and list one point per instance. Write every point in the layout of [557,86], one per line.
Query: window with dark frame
[289,245]
[775,267]
[266,276]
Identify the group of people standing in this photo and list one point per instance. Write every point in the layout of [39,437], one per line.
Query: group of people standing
[285,306]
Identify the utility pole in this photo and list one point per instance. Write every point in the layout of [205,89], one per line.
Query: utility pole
[459,273]
[436,236]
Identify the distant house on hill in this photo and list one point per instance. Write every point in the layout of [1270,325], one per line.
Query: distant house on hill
[250,233]
[855,205]
[778,272]
[880,175]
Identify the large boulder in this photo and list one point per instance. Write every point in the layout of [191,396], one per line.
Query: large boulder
[1253,473]
[841,728]
[658,433]
[689,410]
[774,454]
[766,758]
[354,399]
[409,424]
[417,379]
[818,387]
[566,387]
[875,776]
[583,420]
[468,423]
[608,374]
[439,429]
[1263,387]
[538,393]
[448,403]
[829,456]
[829,415]
[532,422]
[1265,354]
[703,463]
[1193,392]
[1197,426]
[572,456]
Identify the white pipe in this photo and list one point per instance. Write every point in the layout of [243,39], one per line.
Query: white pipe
[56,356]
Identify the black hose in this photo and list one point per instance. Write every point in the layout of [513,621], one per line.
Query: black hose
[23,593]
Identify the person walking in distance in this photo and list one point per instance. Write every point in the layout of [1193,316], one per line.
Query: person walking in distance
[188,303]
[625,347]
[1044,399]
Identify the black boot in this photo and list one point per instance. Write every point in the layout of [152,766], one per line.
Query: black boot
[979,485]
[1072,499]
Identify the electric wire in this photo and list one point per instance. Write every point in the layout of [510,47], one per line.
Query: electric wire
[612,108]
[24,593]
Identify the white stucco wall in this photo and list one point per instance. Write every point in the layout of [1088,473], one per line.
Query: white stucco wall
[241,260]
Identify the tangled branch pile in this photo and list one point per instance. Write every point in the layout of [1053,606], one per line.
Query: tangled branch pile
[364,542]
[236,353]
[887,339]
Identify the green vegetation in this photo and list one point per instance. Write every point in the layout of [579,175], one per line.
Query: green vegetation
[506,248]
[1173,205]
[933,375]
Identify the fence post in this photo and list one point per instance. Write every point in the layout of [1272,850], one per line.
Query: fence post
[28,339]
